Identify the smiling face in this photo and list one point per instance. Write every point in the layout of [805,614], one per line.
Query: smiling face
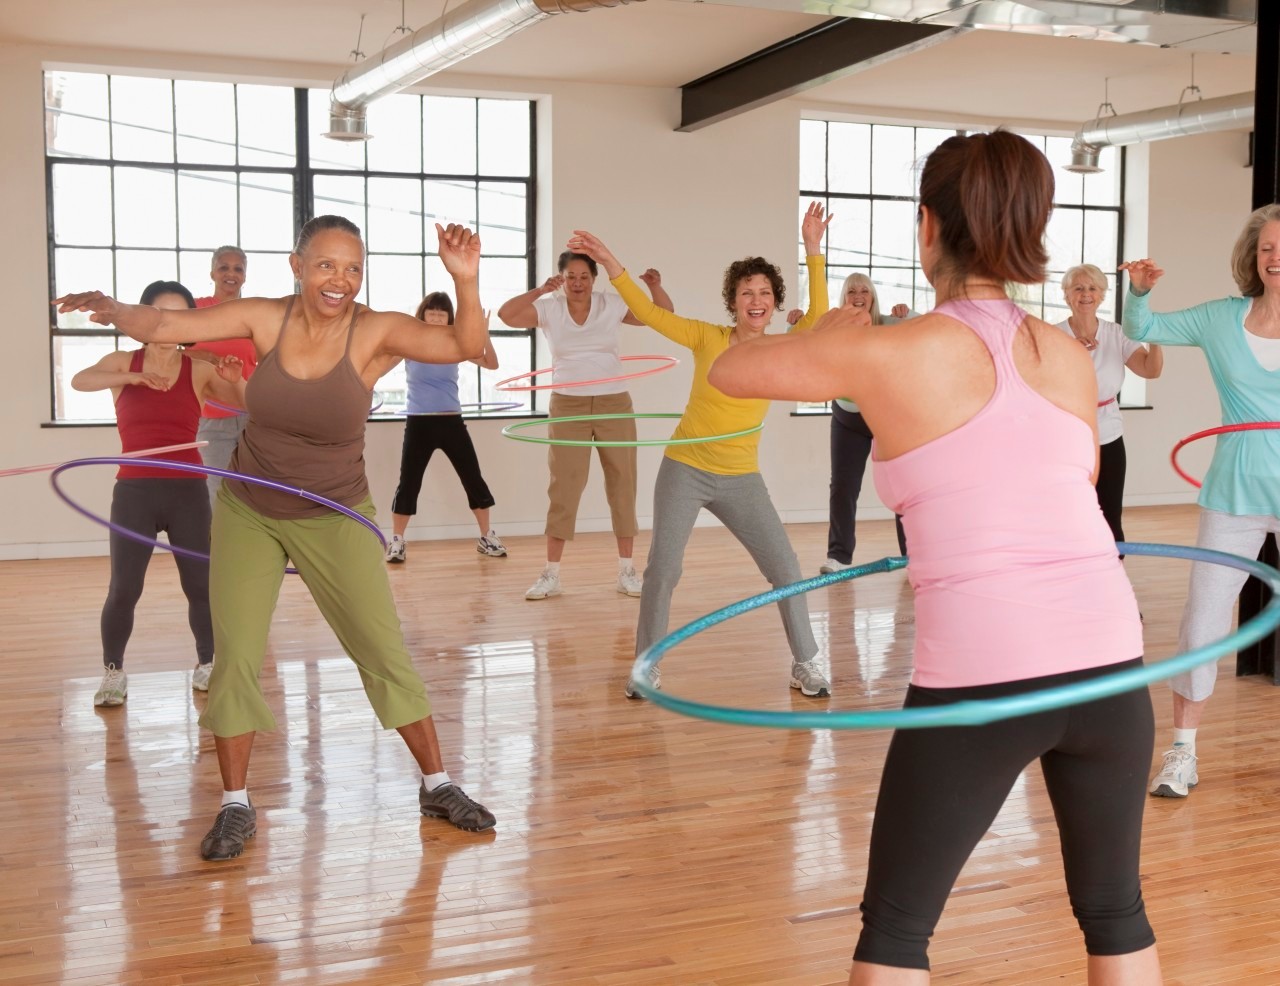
[434,316]
[858,295]
[228,275]
[1083,296]
[1269,256]
[330,271]
[754,302]
[578,280]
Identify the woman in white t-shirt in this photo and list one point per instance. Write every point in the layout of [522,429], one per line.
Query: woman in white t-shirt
[582,327]
[1084,287]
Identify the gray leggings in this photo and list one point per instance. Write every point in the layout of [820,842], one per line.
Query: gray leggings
[742,504]
[147,507]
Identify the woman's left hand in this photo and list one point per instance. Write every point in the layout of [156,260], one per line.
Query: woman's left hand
[813,226]
[900,311]
[459,250]
[652,278]
[230,368]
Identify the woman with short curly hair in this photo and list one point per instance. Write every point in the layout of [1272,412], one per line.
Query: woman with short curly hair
[722,476]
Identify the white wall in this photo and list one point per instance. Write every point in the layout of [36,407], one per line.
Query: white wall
[685,203]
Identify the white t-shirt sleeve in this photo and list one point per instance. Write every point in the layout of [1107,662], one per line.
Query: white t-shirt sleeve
[544,306]
[615,309]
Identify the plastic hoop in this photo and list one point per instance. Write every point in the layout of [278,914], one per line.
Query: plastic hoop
[503,385]
[971,713]
[1208,433]
[510,430]
[23,470]
[114,460]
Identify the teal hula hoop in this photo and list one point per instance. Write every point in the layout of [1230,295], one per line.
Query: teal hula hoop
[510,432]
[972,713]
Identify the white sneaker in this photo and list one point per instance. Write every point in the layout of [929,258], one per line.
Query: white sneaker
[629,583]
[200,677]
[548,584]
[114,688]
[809,679]
[831,566]
[655,681]
[1177,774]
[395,549]
[491,545]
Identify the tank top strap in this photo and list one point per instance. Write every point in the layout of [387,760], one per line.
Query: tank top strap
[135,360]
[351,331]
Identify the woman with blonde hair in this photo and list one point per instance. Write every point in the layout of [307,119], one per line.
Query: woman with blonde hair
[1085,286]
[1240,498]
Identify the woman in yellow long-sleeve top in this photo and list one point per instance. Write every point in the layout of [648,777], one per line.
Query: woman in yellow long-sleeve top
[722,476]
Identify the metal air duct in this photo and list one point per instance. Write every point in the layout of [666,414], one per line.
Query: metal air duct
[458,34]
[1202,116]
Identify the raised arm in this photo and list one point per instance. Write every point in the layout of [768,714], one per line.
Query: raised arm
[653,281]
[405,337]
[1147,363]
[519,312]
[812,228]
[488,358]
[229,320]
[1183,328]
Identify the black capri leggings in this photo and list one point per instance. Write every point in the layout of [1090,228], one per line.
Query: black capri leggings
[942,788]
[149,506]
[423,434]
[850,447]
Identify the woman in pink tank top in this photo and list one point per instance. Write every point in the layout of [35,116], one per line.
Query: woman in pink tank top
[986,442]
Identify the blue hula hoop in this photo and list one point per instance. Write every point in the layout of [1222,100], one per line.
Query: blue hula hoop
[972,713]
[112,460]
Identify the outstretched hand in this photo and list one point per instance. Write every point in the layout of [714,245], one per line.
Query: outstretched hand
[459,250]
[1143,274]
[813,226]
[104,308]
[592,246]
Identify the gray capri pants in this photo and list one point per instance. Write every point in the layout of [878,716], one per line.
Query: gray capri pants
[1211,596]
[742,504]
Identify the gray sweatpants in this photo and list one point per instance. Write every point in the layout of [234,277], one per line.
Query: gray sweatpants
[222,435]
[742,504]
[1211,596]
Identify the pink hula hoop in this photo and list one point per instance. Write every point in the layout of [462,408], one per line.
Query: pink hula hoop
[1208,433]
[141,454]
[504,385]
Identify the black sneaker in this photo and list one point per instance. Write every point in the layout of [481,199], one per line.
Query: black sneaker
[450,802]
[225,840]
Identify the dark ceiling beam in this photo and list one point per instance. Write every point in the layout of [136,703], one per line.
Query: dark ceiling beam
[834,49]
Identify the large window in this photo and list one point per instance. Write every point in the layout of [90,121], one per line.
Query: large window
[868,175]
[146,177]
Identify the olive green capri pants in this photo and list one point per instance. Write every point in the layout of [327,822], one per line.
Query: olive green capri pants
[341,564]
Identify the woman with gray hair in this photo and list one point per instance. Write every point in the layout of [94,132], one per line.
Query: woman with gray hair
[1240,498]
[1085,286]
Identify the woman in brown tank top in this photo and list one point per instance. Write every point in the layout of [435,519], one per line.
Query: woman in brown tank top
[320,355]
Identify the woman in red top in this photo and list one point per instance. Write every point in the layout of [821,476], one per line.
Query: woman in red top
[157,397]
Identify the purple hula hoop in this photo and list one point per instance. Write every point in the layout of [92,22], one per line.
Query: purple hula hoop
[112,460]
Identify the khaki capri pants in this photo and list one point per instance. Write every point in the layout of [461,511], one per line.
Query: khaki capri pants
[570,464]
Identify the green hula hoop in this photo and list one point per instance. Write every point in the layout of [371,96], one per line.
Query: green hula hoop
[510,432]
[972,713]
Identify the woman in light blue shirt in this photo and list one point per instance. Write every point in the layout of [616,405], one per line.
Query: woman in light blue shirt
[1240,499]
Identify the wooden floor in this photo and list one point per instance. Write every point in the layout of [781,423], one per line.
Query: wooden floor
[632,847]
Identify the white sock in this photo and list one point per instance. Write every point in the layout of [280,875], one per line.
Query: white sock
[1185,738]
[240,798]
[624,564]
[433,781]
[397,537]
[553,567]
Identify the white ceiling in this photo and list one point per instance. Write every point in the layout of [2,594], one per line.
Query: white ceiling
[982,75]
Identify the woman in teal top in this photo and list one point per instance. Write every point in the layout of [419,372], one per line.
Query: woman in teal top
[1240,499]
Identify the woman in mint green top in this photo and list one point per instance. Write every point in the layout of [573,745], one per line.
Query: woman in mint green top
[1240,499]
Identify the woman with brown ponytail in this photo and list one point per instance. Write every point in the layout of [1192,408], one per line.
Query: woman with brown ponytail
[986,443]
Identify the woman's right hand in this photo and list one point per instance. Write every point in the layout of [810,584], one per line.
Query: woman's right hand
[104,308]
[553,283]
[153,380]
[1143,274]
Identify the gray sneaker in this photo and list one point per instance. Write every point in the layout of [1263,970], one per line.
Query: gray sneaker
[114,688]
[1177,775]
[395,549]
[655,682]
[491,545]
[808,677]
[225,840]
[450,802]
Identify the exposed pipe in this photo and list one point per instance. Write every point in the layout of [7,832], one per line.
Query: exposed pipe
[1201,116]
[460,33]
